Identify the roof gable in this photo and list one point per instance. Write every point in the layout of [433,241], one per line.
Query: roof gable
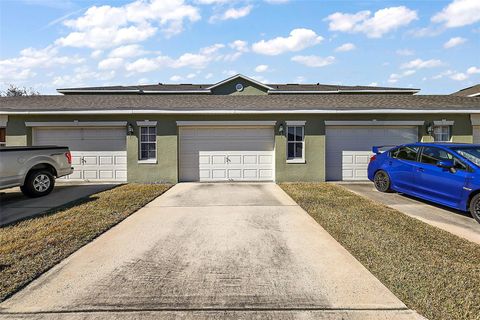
[240,76]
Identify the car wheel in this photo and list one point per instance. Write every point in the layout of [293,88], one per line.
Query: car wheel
[382,181]
[38,183]
[475,207]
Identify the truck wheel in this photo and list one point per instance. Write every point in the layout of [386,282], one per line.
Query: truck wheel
[382,181]
[475,207]
[38,183]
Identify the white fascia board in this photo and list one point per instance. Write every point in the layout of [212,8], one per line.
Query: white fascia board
[146,123]
[243,77]
[295,123]
[374,123]
[443,123]
[225,123]
[99,91]
[474,95]
[177,91]
[76,124]
[206,112]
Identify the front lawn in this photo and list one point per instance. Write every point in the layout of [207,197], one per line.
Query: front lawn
[430,270]
[30,247]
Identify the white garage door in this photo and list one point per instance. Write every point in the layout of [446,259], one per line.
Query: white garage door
[98,154]
[226,154]
[476,134]
[349,148]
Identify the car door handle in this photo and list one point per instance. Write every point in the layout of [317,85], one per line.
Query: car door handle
[420,169]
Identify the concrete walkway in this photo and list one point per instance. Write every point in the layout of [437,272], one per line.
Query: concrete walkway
[456,222]
[210,251]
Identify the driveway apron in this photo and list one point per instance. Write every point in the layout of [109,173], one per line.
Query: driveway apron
[202,251]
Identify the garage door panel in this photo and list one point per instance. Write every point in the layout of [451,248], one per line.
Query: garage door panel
[348,149]
[222,154]
[97,153]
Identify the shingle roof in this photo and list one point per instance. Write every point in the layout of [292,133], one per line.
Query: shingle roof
[468,91]
[229,103]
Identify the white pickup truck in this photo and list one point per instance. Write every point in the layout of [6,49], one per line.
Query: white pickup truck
[34,169]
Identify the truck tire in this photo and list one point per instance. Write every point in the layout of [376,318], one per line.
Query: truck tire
[38,183]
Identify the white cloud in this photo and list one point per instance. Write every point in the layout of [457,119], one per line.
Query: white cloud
[459,76]
[239,45]
[233,13]
[405,52]
[107,26]
[453,42]
[148,64]
[421,64]
[176,78]
[82,76]
[128,51]
[96,54]
[383,21]
[229,73]
[345,47]
[442,74]
[394,77]
[459,13]
[473,70]
[373,84]
[110,63]
[314,61]
[261,68]
[298,40]
[191,75]
[208,76]
[276,1]
[143,81]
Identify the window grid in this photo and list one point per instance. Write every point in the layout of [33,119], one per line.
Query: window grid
[148,143]
[441,133]
[295,142]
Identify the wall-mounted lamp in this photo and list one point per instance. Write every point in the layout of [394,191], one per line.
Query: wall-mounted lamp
[280,129]
[429,128]
[129,129]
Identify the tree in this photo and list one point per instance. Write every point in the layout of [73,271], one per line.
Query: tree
[15,91]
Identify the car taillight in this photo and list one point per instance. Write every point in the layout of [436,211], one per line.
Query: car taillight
[69,157]
[373,158]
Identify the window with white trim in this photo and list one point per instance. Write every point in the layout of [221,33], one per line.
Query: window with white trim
[441,133]
[295,143]
[148,143]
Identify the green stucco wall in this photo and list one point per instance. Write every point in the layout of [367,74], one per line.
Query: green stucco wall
[166,169]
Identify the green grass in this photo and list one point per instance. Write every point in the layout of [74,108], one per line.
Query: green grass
[30,247]
[430,270]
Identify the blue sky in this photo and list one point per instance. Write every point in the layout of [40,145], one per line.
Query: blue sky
[48,44]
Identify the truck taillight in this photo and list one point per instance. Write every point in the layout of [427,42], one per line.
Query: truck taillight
[69,157]
[373,158]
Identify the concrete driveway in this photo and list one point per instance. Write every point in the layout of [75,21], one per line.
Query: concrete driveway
[210,251]
[456,222]
[15,206]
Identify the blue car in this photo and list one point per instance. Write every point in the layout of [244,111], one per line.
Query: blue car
[444,173]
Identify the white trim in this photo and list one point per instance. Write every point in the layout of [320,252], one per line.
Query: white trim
[474,95]
[295,123]
[147,123]
[374,123]
[243,77]
[76,124]
[97,91]
[278,91]
[297,159]
[3,121]
[443,122]
[298,111]
[225,123]
[301,161]
[148,161]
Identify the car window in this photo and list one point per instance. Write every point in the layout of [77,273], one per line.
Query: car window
[432,155]
[405,153]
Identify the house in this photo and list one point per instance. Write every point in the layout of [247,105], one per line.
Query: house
[236,130]
[473,91]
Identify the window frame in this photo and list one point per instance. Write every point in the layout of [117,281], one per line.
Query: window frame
[417,156]
[454,158]
[296,159]
[448,133]
[140,143]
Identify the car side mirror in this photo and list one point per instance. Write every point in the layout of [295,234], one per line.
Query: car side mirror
[446,164]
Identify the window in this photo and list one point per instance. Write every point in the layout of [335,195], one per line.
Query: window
[2,136]
[405,153]
[295,143]
[432,155]
[148,144]
[441,133]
